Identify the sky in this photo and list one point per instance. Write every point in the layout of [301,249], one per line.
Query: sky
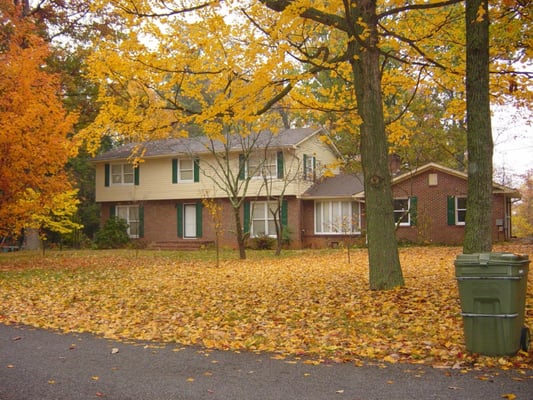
[513,143]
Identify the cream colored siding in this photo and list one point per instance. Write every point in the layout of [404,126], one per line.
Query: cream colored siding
[155,177]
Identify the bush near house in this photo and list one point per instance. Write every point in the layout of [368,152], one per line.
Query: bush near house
[113,235]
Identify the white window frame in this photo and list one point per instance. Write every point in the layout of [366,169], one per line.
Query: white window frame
[182,169]
[330,218]
[265,219]
[458,210]
[126,213]
[122,174]
[403,211]
[309,168]
[257,165]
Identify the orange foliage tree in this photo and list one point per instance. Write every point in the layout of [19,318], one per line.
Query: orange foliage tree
[34,130]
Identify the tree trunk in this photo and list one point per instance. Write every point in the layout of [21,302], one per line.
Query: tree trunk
[478,229]
[239,232]
[384,263]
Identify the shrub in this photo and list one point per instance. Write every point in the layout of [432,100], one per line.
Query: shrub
[113,235]
[263,242]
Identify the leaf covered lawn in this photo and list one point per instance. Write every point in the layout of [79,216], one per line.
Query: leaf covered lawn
[311,304]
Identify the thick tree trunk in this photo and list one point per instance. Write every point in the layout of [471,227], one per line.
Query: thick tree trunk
[478,229]
[384,263]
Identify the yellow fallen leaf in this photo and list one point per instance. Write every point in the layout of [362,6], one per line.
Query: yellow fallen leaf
[316,306]
[95,378]
[509,396]
[390,359]
[190,379]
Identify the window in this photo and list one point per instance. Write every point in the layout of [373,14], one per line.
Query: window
[132,216]
[262,167]
[309,167]
[402,213]
[122,174]
[456,210]
[185,170]
[262,218]
[460,210]
[337,217]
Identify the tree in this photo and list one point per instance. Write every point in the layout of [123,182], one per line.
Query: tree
[234,61]
[34,130]
[478,229]
[229,170]
[54,213]
[215,212]
[275,192]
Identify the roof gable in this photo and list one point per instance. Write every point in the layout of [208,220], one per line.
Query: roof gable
[427,168]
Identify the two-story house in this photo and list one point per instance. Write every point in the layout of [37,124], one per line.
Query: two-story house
[161,198]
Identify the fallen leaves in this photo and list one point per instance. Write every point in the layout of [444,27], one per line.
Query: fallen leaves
[314,305]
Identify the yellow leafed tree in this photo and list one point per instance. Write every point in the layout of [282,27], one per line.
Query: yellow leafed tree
[216,65]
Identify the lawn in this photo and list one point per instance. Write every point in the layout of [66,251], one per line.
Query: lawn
[309,304]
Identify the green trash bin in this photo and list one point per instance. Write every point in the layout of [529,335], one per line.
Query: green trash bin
[492,288]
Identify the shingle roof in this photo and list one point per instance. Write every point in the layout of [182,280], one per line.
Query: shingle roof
[349,185]
[197,145]
[343,185]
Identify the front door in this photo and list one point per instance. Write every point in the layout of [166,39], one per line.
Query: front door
[189,220]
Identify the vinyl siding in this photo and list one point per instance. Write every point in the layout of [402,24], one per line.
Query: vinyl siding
[156,177]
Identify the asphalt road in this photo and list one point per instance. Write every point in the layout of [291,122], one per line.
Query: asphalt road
[40,365]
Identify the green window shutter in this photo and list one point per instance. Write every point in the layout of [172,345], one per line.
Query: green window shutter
[451,210]
[242,168]
[179,209]
[199,219]
[174,171]
[305,166]
[284,213]
[136,174]
[112,211]
[412,209]
[106,175]
[280,164]
[196,164]
[141,221]
[246,217]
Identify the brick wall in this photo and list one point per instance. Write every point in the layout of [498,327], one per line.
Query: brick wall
[432,223]
[160,223]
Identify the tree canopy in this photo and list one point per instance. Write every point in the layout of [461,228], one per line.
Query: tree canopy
[35,144]
[385,74]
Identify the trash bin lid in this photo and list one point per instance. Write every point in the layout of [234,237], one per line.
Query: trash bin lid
[491,259]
